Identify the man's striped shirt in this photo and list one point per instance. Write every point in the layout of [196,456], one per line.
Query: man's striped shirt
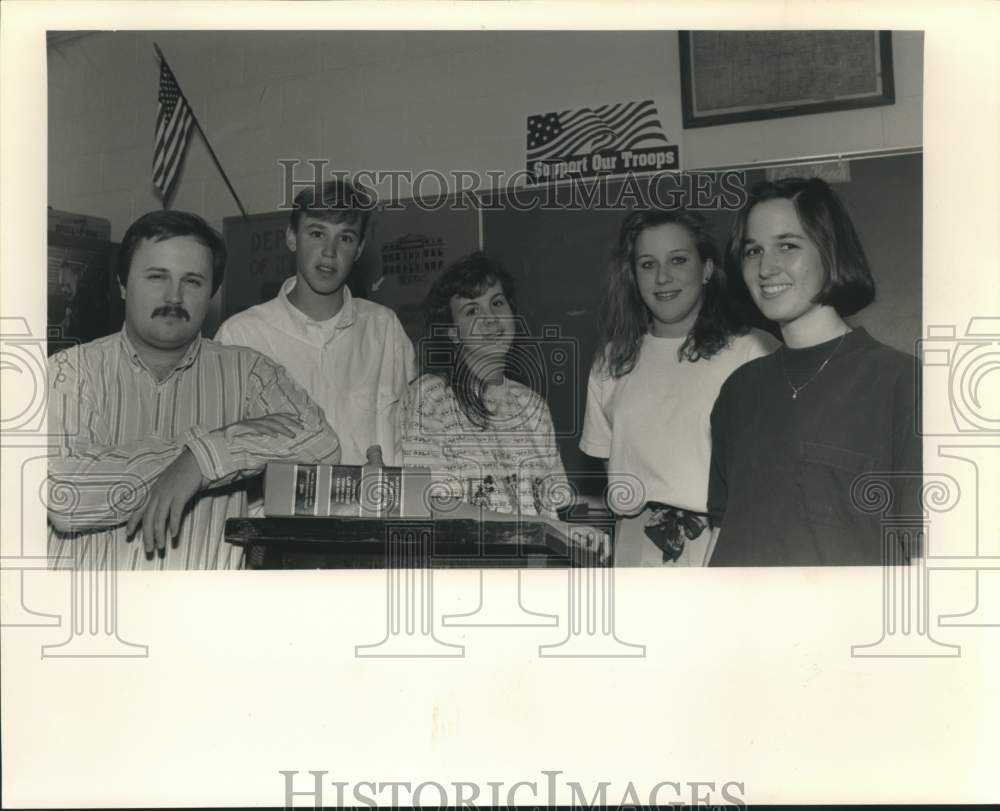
[115,428]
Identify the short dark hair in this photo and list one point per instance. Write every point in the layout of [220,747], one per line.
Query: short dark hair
[849,286]
[160,225]
[337,200]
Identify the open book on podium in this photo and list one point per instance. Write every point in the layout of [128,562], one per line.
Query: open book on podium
[374,516]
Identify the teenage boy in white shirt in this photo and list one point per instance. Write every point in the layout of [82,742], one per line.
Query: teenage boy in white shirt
[351,355]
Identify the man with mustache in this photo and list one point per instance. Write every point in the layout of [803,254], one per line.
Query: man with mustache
[154,427]
[350,354]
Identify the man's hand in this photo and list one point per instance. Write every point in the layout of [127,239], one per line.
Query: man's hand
[273,425]
[168,498]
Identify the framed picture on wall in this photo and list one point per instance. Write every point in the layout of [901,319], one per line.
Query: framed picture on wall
[729,77]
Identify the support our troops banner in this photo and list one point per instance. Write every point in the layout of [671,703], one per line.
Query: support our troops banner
[612,139]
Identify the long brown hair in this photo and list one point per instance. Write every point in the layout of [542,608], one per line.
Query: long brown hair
[624,319]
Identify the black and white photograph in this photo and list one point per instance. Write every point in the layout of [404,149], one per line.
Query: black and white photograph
[411,410]
[541,337]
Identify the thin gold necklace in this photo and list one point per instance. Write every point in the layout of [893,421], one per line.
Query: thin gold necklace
[796,389]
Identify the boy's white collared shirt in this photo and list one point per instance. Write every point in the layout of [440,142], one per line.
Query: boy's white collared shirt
[356,365]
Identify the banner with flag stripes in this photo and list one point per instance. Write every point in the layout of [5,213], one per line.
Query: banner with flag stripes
[560,143]
[174,120]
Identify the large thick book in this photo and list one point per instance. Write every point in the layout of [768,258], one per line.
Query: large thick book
[360,491]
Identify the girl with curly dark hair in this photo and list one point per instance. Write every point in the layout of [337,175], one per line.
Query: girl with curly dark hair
[489,438]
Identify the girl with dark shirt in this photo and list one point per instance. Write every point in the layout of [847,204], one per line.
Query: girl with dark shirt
[792,432]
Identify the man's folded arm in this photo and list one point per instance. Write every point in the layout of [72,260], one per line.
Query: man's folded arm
[235,452]
[96,484]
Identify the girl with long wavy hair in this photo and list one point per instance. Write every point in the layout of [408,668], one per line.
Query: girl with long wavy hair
[670,337]
[487,437]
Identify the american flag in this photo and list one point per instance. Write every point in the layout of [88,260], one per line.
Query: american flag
[173,131]
[630,125]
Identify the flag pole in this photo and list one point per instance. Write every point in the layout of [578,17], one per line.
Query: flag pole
[204,137]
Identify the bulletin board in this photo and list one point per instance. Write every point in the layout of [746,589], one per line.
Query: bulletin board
[409,247]
[733,76]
